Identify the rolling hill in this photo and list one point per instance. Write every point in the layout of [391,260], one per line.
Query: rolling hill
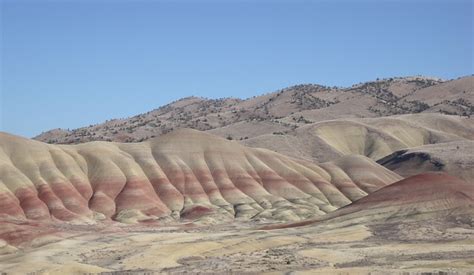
[186,174]
[424,198]
[283,111]
[373,177]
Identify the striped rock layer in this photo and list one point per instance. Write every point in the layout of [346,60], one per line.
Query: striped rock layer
[427,196]
[186,174]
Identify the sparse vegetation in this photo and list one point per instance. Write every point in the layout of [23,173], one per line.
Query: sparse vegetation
[282,107]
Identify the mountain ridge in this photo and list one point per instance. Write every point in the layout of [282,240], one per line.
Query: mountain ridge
[285,109]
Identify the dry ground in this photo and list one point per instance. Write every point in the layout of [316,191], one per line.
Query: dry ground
[240,248]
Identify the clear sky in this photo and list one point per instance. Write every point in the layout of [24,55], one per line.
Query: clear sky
[73,63]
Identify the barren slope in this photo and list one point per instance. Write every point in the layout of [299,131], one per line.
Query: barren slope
[371,137]
[455,158]
[283,111]
[451,97]
[184,175]
[424,197]
[420,225]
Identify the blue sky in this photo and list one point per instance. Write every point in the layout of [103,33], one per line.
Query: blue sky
[73,63]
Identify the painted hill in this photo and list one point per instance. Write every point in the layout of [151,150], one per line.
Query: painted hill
[184,175]
[429,193]
[424,197]
[284,111]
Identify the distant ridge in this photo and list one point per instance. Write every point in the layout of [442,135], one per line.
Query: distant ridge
[285,110]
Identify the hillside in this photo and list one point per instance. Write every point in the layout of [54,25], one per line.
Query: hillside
[420,225]
[371,137]
[344,174]
[455,158]
[425,197]
[283,111]
[184,175]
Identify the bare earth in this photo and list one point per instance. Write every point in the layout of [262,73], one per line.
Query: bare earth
[374,178]
[282,112]
[403,227]
[239,249]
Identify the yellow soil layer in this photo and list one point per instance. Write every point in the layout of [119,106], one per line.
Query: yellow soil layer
[316,251]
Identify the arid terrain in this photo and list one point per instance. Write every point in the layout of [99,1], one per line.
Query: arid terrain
[283,112]
[377,177]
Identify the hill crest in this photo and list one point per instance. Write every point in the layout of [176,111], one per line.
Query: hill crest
[282,111]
